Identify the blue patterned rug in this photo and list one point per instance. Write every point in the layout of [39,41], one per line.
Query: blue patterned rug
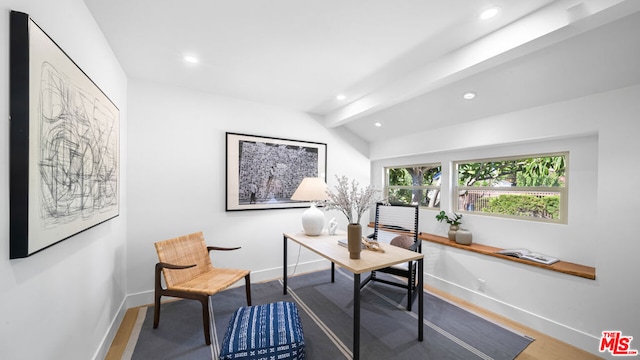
[388,331]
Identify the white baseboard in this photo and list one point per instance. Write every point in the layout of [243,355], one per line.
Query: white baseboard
[107,339]
[547,326]
[146,297]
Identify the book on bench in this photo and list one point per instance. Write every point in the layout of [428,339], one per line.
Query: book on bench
[528,255]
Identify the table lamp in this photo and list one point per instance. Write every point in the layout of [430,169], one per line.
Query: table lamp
[312,189]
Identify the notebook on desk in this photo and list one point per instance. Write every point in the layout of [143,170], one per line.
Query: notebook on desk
[343,242]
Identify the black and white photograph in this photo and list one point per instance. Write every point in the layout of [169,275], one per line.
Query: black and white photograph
[263,172]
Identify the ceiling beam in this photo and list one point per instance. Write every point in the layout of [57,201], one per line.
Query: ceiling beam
[550,25]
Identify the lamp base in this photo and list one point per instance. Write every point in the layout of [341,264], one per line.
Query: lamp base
[313,221]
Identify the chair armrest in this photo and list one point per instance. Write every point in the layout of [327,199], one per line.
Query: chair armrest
[414,247]
[371,236]
[210,248]
[161,265]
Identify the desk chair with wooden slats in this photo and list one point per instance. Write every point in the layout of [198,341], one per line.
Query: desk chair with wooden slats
[189,274]
[398,225]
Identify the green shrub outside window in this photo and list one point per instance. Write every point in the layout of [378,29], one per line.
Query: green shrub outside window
[530,187]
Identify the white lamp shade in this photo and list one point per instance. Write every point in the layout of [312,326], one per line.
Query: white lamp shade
[311,189]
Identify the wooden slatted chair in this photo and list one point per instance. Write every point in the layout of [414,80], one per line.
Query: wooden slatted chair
[398,225]
[188,273]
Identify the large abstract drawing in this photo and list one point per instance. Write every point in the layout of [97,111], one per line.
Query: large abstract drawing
[64,144]
[77,166]
[263,172]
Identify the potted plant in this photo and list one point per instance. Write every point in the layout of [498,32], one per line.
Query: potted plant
[453,221]
[352,202]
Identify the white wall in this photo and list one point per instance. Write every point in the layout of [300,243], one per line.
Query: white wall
[176,174]
[60,303]
[601,132]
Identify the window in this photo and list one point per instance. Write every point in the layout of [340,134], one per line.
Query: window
[414,184]
[532,187]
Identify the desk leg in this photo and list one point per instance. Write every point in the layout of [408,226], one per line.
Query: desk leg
[333,272]
[420,299]
[284,266]
[356,316]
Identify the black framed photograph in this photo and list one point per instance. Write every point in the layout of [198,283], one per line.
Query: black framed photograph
[64,144]
[263,172]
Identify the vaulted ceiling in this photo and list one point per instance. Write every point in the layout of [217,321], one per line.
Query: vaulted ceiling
[403,64]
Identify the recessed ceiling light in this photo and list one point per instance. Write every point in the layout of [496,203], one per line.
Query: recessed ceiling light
[469,95]
[190,59]
[378,124]
[489,13]
[341,97]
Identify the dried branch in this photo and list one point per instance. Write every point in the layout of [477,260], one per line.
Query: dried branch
[351,200]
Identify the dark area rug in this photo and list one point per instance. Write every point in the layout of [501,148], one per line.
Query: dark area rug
[388,331]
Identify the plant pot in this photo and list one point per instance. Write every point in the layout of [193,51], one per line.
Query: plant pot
[463,237]
[452,231]
[354,240]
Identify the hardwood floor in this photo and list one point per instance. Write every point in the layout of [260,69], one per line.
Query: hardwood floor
[119,343]
[543,348]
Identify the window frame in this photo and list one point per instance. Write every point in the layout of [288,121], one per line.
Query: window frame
[563,191]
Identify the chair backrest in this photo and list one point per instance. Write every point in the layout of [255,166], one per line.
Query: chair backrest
[184,250]
[394,220]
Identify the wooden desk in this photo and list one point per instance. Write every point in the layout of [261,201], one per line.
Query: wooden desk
[327,247]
